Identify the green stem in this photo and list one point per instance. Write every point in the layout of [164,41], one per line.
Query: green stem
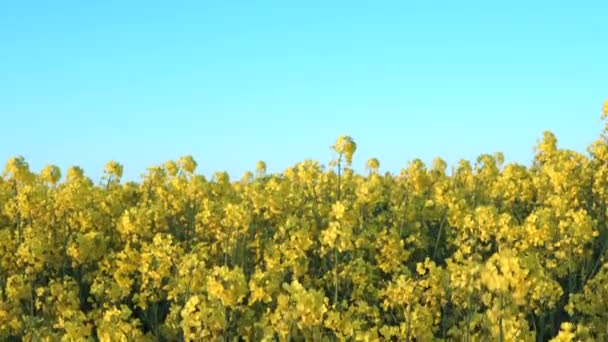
[501,336]
[336,276]
[438,237]
[409,323]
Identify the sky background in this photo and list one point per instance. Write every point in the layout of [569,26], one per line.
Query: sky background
[233,82]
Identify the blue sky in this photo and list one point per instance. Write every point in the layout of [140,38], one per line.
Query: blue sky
[233,82]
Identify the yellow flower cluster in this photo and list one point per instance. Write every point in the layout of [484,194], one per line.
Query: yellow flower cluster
[488,252]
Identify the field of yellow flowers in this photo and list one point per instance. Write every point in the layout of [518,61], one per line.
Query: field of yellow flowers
[485,252]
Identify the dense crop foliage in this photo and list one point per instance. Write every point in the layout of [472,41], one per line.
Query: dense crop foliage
[485,252]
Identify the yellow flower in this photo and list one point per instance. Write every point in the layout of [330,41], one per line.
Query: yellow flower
[51,174]
[373,165]
[345,146]
[114,168]
[229,286]
[260,168]
[338,210]
[188,164]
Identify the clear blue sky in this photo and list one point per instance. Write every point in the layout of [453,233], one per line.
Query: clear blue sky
[232,82]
